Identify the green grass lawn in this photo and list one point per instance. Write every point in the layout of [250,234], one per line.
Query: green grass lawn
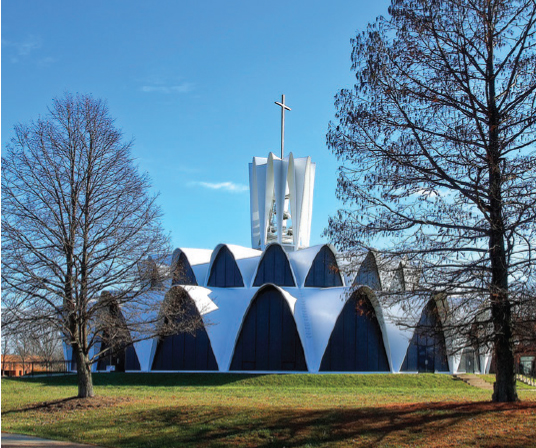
[212,410]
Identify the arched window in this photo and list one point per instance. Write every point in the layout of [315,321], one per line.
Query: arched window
[224,272]
[121,354]
[324,271]
[427,350]
[368,273]
[269,339]
[188,350]
[356,342]
[274,268]
[183,273]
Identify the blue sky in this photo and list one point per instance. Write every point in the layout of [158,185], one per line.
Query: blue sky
[194,84]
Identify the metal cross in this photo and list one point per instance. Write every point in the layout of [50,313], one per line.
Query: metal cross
[283,107]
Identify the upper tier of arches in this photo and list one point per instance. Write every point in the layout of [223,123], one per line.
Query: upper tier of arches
[229,266]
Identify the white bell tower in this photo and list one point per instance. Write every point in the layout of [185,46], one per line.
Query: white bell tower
[281,197]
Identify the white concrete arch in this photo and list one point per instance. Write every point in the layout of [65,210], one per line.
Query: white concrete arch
[368,273]
[254,276]
[174,267]
[381,274]
[333,251]
[198,259]
[411,316]
[245,258]
[378,311]
[200,296]
[291,301]
[302,261]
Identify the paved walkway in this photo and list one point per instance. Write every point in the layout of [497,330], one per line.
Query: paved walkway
[475,381]
[20,441]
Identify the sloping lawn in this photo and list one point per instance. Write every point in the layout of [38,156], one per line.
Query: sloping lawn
[520,385]
[214,410]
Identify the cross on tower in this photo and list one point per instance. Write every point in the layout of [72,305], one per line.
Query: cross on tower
[283,107]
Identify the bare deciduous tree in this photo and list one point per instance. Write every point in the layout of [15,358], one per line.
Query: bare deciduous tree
[46,342]
[437,143]
[78,220]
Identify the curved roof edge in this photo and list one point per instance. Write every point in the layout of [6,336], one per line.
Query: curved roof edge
[239,254]
[194,256]
[198,260]
[401,335]
[200,296]
[390,274]
[289,298]
[254,276]
[378,311]
[302,261]
[146,349]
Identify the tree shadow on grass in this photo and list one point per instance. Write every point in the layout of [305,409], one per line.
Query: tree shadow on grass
[416,424]
[424,424]
[70,404]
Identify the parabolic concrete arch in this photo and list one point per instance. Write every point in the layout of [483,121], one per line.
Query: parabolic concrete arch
[427,351]
[181,269]
[381,274]
[122,358]
[268,339]
[324,271]
[274,267]
[357,341]
[115,340]
[224,272]
[236,263]
[368,273]
[190,351]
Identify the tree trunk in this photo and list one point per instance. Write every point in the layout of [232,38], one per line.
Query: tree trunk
[504,389]
[85,379]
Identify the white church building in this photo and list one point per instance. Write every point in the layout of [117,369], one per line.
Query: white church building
[282,306]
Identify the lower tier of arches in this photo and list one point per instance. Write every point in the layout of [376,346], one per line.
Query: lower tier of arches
[268,340]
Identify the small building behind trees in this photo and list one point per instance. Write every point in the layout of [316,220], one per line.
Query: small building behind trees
[15,365]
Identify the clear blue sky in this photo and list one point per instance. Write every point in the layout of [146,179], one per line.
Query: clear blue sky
[194,83]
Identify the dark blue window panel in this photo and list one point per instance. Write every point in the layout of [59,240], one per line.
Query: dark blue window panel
[103,360]
[274,268]
[183,273]
[124,358]
[427,350]
[269,339]
[116,359]
[131,359]
[324,272]
[185,351]
[356,343]
[368,273]
[225,272]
